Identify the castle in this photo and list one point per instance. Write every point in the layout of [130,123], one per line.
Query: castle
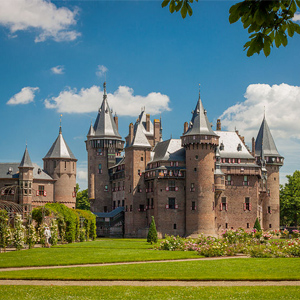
[205,182]
[25,185]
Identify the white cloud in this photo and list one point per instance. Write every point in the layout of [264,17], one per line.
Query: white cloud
[282,107]
[48,20]
[296,17]
[26,96]
[123,101]
[58,70]
[101,70]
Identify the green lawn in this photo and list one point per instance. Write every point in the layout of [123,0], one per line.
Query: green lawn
[99,251]
[123,292]
[227,269]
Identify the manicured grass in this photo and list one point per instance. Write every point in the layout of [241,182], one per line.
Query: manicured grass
[124,292]
[227,269]
[99,251]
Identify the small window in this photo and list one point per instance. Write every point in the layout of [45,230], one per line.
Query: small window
[119,202]
[195,169]
[175,226]
[269,209]
[196,157]
[105,208]
[171,203]
[224,205]
[114,204]
[142,207]
[245,182]
[123,203]
[139,172]
[106,188]
[270,225]
[65,164]
[100,167]
[229,180]
[130,207]
[247,205]
[193,205]
[142,158]
[171,184]
[248,225]
[192,187]
[41,190]
[226,225]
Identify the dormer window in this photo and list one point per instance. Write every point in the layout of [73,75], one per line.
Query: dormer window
[222,146]
[239,147]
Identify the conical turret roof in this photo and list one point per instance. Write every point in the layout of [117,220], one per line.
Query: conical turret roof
[199,124]
[140,139]
[105,125]
[60,149]
[91,131]
[26,161]
[264,144]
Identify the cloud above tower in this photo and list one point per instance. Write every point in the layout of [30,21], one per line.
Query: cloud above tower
[122,101]
[25,96]
[58,70]
[41,16]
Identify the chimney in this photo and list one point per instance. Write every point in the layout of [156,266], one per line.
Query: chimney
[116,121]
[185,127]
[253,147]
[219,124]
[157,136]
[147,122]
[130,133]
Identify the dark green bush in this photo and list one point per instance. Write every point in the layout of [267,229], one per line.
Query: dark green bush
[152,233]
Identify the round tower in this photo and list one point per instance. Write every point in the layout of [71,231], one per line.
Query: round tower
[270,160]
[60,164]
[104,145]
[200,142]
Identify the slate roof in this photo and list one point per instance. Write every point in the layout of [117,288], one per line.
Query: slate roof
[139,138]
[109,214]
[142,120]
[9,170]
[168,150]
[91,131]
[231,141]
[5,168]
[26,161]
[199,124]
[60,149]
[265,142]
[105,125]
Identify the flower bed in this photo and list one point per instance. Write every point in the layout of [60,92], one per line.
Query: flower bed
[233,242]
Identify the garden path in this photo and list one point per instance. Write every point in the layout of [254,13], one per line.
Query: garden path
[119,263]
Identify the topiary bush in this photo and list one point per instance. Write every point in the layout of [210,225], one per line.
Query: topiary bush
[5,232]
[152,233]
[257,225]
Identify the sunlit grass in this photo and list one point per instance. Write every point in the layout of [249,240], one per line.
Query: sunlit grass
[124,292]
[227,269]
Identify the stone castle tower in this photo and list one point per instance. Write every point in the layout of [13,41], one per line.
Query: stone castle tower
[60,164]
[200,143]
[270,160]
[104,145]
[26,179]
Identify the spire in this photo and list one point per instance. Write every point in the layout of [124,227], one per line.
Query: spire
[60,131]
[26,161]
[199,123]
[264,144]
[91,130]
[105,125]
[60,149]
[140,139]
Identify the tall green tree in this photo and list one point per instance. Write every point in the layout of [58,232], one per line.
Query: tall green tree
[268,22]
[152,233]
[290,201]
[82,199]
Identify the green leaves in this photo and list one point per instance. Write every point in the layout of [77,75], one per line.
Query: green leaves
[179,5]
[268,22]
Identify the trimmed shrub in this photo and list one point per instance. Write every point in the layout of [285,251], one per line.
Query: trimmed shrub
[152,233]
[257,225]
[19,233]
[31,237]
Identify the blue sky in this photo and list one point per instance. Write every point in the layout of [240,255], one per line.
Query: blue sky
[49,64]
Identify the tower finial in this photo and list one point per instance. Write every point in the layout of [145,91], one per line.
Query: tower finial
[60,131]
[104,90]
[199,90]
[264,111]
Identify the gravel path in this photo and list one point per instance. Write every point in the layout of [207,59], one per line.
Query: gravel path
[119,263]
[148,283]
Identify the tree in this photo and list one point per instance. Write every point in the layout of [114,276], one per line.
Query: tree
[290,201]
[152,233]
[257,225]
[82,199]
[268,22]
